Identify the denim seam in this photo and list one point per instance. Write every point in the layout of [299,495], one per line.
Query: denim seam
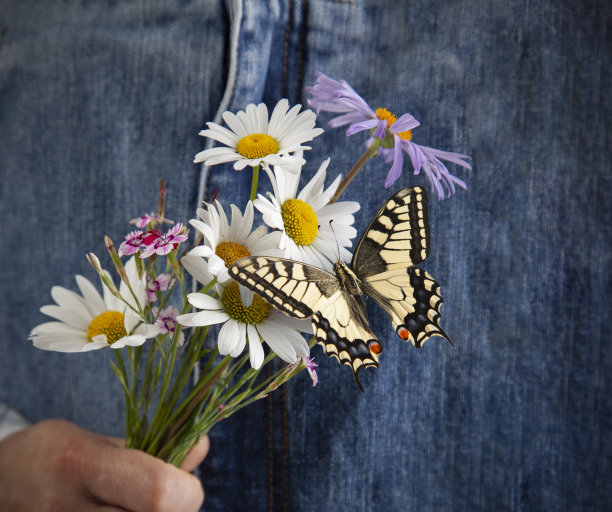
[230,88]
[232,77]
[270,448]
[301,52]
[300,72]
[286,47]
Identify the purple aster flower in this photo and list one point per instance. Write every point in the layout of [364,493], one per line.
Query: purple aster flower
[163,243]
[166,321]
[160,284]
[391,135]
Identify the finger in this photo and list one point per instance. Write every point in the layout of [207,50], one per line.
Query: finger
[141,483]
[117,441]
[102,508]
[196,455]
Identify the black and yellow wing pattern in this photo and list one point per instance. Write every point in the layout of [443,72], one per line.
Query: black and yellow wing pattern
[396,240]
[382,268]
[299,290]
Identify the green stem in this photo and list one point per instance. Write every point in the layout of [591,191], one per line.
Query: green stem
[254,183]
[371,152]
[194,403]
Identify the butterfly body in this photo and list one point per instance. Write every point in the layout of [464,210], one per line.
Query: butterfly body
[382,268]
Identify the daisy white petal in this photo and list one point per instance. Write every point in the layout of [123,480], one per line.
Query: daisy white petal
[202,251]
[186,320]
[276,337]
[134,340]
[256,352]
[304,234]
[111,302]
[94,345]
[227,241]
[246,296]
[86,322]
[206,317]
[197,267]
[71,301]
[230,338]
[55,328]
[65,315]
[203,301]
[252,138]
[93,300]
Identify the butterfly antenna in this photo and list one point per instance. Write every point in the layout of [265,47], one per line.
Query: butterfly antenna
[338,252]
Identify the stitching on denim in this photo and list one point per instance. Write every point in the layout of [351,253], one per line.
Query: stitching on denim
[230,90]
[285,450]
[270,448]
[204,181]
[301,52]
[286,48]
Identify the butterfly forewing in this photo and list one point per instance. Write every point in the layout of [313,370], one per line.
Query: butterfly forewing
[397,237]
[294,288]
[339,319]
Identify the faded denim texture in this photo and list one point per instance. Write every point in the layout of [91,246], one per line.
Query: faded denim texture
[98,100]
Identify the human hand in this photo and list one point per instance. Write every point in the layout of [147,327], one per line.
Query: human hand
[56,465]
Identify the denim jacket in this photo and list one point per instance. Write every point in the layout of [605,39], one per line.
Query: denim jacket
[99,100]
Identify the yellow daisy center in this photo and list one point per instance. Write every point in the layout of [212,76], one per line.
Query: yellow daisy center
[300,221]
[256,313]
[384,115]
[230,252]
[257,145]
[110,323]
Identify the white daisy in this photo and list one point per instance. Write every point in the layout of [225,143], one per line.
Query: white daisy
[252,139]
[308,233]
[225,242]
[242,324]
[88,321]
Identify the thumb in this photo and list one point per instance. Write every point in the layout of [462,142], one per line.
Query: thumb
[196,455]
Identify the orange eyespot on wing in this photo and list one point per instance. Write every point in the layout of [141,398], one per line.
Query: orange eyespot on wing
[374,347]
[403,333]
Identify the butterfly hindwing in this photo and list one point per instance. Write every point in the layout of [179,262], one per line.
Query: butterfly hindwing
[341,328]
[411,298]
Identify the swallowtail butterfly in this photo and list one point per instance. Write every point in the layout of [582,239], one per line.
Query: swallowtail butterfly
[382,268]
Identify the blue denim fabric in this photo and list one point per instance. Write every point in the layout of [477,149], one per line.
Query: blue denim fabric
[99,100]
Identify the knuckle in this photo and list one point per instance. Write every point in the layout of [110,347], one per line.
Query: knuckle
[171,489]
[68,451]
[160,487]
[197,492]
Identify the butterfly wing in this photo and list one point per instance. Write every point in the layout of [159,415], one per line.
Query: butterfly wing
[411,298]
[341,328]
[397,236]
[396,240]
[339,318]
[296,289]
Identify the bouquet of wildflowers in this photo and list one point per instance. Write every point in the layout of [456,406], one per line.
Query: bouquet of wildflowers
[156,321]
